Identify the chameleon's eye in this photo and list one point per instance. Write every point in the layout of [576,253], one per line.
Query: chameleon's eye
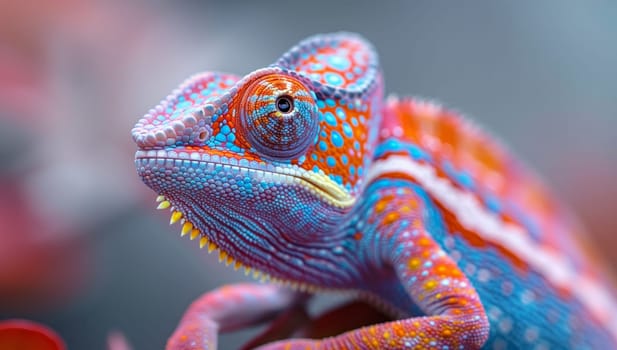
[279,117]
[284,104]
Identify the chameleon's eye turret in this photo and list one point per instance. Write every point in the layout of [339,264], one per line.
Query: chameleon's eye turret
[279,117]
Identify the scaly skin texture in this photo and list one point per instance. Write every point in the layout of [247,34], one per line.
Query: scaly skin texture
[302,173]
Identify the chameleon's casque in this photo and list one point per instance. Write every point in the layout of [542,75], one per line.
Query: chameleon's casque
[303,173]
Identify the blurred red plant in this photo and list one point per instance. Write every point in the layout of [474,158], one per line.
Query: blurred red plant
[28,335]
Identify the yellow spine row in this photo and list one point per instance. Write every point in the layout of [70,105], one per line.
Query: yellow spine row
[189,229]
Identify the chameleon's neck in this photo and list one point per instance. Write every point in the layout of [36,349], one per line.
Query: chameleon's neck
[389,211]
[389,208]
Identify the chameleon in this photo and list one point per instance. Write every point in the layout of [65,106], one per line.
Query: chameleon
[305,175]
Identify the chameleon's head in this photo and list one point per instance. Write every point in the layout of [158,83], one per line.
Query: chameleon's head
[265,165]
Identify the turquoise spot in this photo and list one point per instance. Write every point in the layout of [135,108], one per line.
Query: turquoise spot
[330,102]
[322,146]
[220,137]
[336,138]
[331,161]
[313,156]
[334,79]
[465,179]
[344,159]
[235,148]
[337,178]
[352,170]
[225,129]
[493,204]
[340,113]
[347,131]
[338,62]
[321,104]
[417,153]
[462,177]
[330,118]
[354,121]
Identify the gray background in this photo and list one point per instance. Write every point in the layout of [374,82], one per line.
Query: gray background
[541,75]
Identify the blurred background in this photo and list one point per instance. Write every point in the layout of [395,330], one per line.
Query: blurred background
[82,248]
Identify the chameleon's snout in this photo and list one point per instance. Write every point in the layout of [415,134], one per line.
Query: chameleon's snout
[185,117]
[191,128]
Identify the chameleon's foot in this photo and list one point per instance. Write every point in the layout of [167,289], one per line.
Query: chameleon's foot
[226,309]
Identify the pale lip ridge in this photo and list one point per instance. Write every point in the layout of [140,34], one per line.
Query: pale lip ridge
[317,183]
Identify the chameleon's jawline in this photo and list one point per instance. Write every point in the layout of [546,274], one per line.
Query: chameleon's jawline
[318,184]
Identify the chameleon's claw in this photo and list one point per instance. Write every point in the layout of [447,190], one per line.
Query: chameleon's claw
[163,205]
[194,234]
[211,247]
[186,228]
[175,217]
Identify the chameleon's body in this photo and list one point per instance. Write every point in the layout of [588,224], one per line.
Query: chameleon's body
[303,172]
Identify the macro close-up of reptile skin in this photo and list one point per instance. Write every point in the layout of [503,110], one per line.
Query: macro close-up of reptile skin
[304,175]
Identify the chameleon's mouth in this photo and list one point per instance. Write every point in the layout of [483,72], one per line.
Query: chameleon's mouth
[318,184]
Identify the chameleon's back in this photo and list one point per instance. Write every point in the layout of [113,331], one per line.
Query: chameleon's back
[524,253]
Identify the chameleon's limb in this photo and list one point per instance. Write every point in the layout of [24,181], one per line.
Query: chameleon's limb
[226,309]
[455,317]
